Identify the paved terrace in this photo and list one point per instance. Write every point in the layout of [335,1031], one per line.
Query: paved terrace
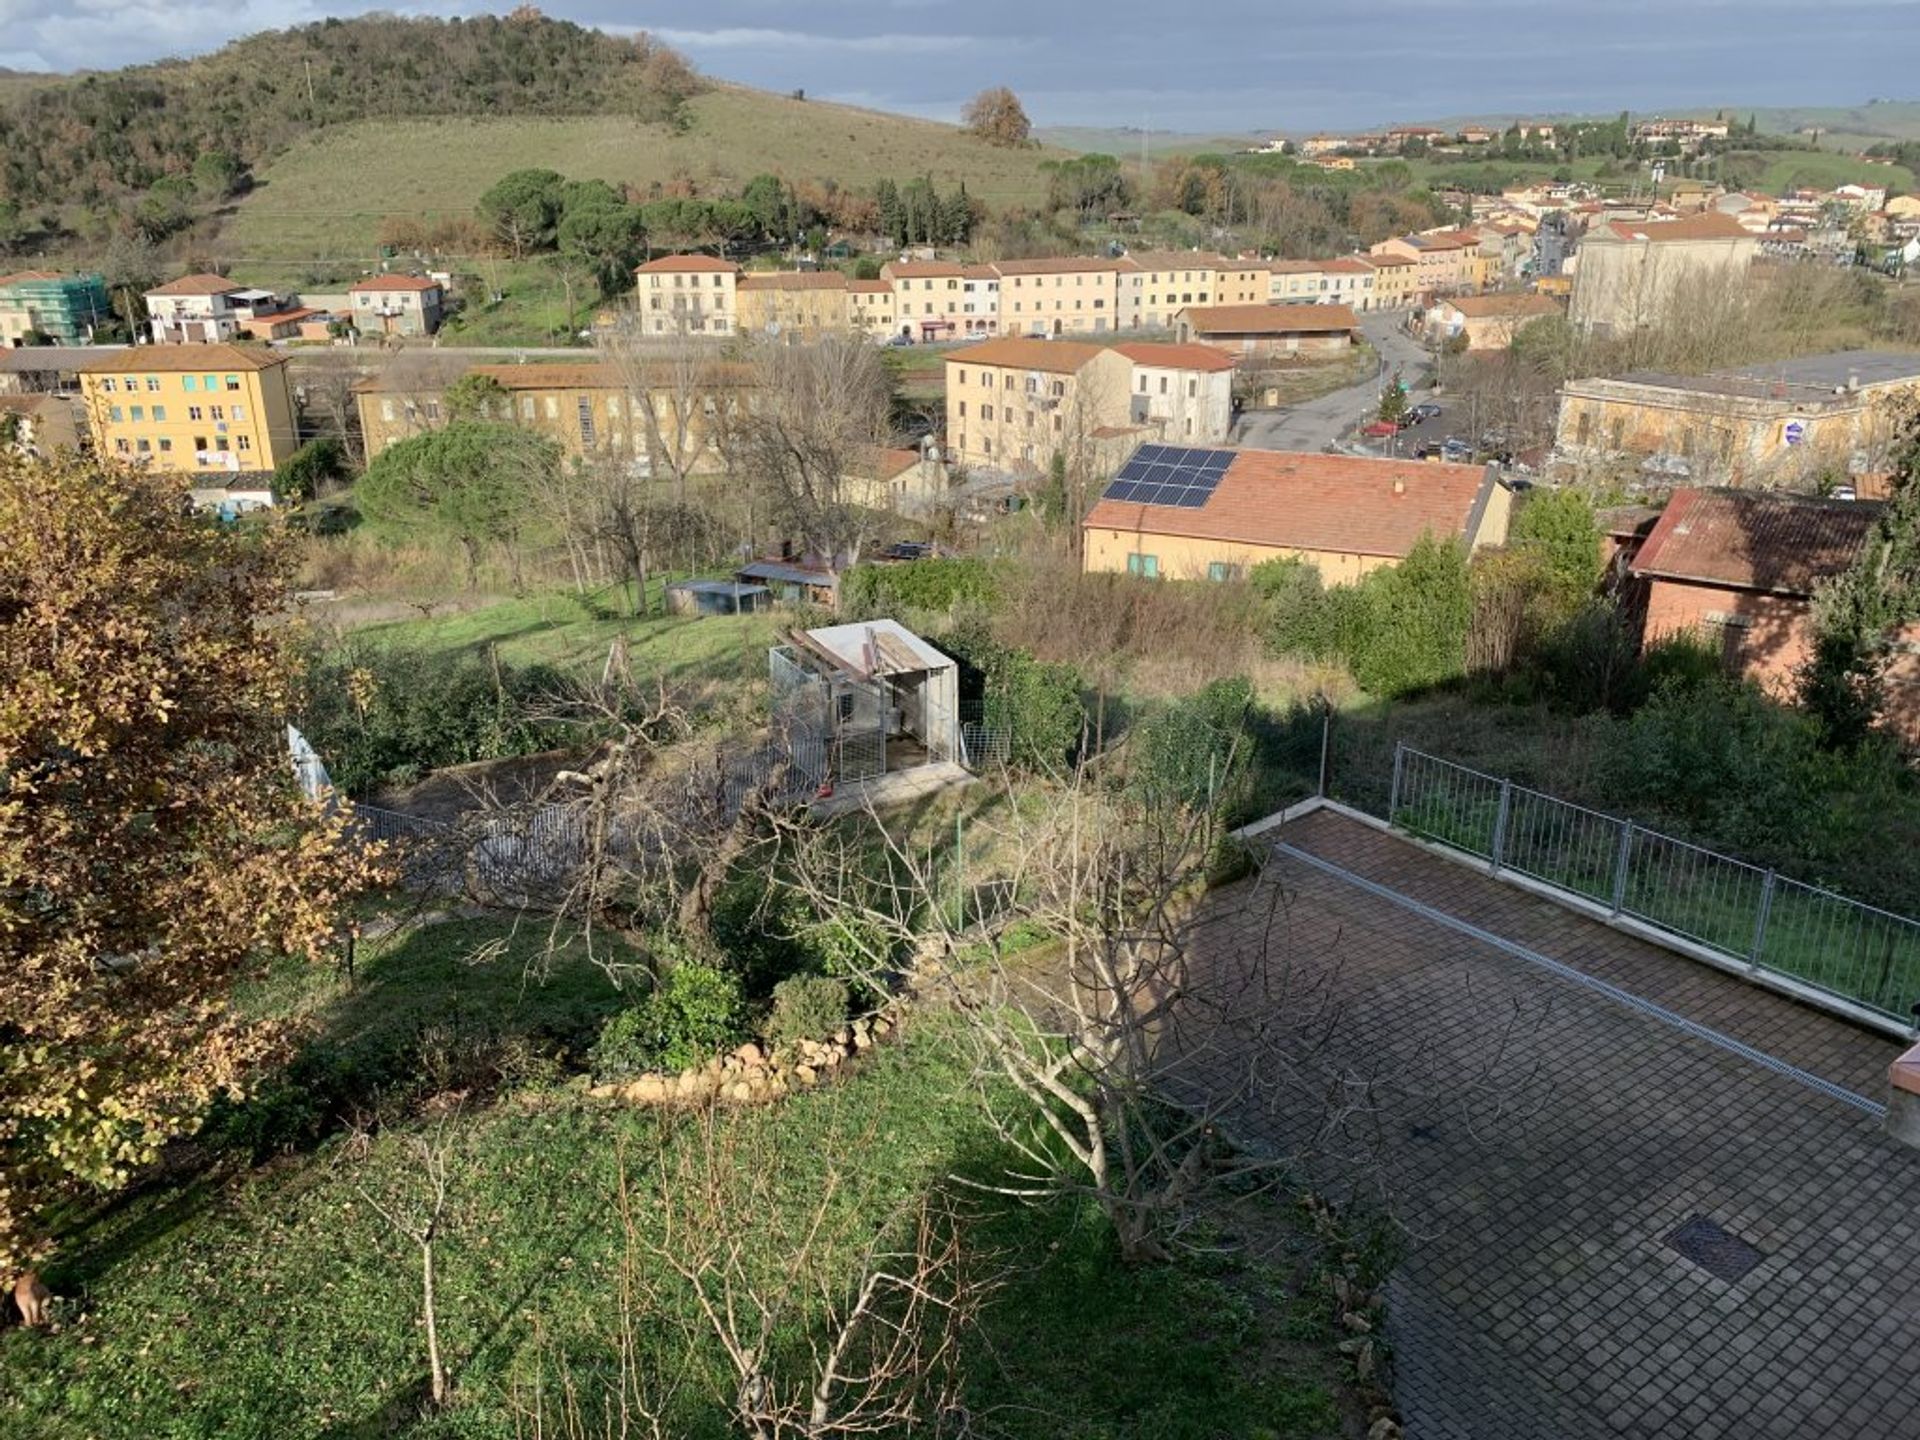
[1545,1140]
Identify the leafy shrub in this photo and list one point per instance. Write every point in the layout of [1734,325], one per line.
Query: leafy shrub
[694,1014]
[806,1007]
[1038,703]
[386,716]
[938,585]
[1194,751]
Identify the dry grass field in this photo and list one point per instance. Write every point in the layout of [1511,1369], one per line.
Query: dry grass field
[325,198]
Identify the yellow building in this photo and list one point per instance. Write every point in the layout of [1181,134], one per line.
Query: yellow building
[1180,514]
[929,298]
[871,310]
[1012,404]
[1162,283]
[202,409]
[1295,282]
[1060,296]
[1396,281]
[804,303]
[588,409]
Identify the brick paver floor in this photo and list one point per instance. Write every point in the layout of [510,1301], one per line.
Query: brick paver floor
[1541,1142]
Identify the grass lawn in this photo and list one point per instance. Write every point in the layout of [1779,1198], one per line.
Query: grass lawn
[254,1292]
[559,628]
[328,194]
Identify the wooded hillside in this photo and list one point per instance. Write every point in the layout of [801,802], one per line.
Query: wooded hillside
[94,138]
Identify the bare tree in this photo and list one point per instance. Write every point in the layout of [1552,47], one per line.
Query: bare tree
[815,415]
[1121,1062]
[829,1329]
[416,1209]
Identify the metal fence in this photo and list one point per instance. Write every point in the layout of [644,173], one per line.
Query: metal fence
[1813,937]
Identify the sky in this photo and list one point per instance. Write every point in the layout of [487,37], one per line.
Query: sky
[1231,65]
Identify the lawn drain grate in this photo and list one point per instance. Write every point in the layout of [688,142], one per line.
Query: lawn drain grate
[1723,1256]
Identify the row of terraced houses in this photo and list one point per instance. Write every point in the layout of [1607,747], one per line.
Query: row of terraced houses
[943,300]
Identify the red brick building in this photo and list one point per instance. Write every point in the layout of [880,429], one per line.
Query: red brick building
[1739,567]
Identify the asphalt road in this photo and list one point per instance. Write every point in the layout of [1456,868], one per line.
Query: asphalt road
[1316,424]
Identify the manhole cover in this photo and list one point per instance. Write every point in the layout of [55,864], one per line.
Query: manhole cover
[1723,1256]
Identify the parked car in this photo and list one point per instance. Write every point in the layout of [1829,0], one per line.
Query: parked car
[1428,411]
[1380,429]
[1456,449]
[1408,419]
[1431,451]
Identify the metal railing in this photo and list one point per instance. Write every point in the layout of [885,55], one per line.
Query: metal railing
[1747,913]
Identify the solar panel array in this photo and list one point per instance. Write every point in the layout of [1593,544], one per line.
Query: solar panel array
[1170,475]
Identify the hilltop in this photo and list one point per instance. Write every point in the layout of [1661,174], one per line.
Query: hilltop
[327,195]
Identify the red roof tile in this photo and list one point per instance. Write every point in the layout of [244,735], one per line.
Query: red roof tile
[1178,357]
[198,285]
[1059,265]
[1270,319]
[1060,357]
[922,270]
[1710,226]
[1755,539]
[688,264]
[1336,504]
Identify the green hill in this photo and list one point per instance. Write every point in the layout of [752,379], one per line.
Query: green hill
[326,195]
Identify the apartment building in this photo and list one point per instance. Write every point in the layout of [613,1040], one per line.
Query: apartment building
[1396,281]
[795,303]
[871,309]
[1444,264]
[588,409]
[1163,283]
[64,308]
[1349,282]
[396,304]
[1487,322]
[197,409]
[1628,274]
[1064,295]
[687,295]
[929,299]
[1185,392]
[195,309]
[1013,403]
[1295,282]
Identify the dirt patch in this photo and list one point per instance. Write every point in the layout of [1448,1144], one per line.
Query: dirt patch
[460,790]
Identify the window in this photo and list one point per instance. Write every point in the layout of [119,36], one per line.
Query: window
[986,412]
[132,383]
[108,384]
[160,413]
[144,447]
[198,412]
[199,444]
[1193,388]
[386,411]
[219,412]
[433,410]
[138,412]
[122,447]
[211,382]
[166,445]
[963,377]
[963,409]
[113,413]
[243,442]
[584,409]
[153,382]
[526,407]
[1163,384]
[1145,566]
[1221,570]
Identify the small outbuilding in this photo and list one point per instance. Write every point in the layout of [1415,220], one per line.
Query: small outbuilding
[877,696]
[716,597]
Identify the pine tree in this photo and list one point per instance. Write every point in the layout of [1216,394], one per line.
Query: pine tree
[887,196]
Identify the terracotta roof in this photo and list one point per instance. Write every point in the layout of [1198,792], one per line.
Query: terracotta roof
[1710,226]
[1296,267]
[922,270]
[1269,319]
[1386,262]
[869,287]
[888,463]
[1060,357]
[794,280]
[394,282]
[284,317]
[1059,265]
[1178,357]
[981,272]
[1755,539]
[23,276]
[1349,265]
[179,359]
[198,285]
[1179,260]
[1337,504]
[1503,307]
[688,264]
